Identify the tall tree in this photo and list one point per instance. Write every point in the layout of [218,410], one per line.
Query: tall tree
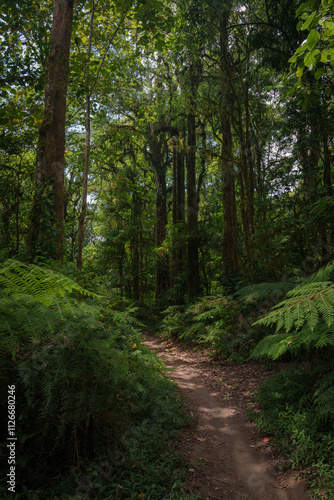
[179,250]
[158,151]
[46,232]
[192,195]
[230,235]
[82,216]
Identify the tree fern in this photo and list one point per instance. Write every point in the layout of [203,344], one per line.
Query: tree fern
[305,323]
[311,304]
[324,397]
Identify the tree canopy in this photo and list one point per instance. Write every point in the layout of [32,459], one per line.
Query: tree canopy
[171,155]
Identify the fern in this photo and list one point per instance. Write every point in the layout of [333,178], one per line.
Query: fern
[255,294]
[305,323]
[311,304]
[40,284]
[324,395]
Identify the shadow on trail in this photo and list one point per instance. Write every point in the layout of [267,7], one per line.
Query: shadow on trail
[226,461]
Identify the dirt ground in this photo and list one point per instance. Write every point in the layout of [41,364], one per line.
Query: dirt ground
[229,458]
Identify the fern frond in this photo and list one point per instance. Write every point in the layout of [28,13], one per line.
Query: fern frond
[254,293]
[310,303]
[272,346]
[40,284]
[325,273]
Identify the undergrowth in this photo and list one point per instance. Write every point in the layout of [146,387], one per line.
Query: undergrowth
[95,418]
[298,405]
[225,323]
[288,414]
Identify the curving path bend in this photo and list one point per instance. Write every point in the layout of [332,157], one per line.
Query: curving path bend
[229,459]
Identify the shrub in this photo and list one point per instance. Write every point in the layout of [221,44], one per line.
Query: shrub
[87,392]
[288,414]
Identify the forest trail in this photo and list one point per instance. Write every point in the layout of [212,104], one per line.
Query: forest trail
[229,458]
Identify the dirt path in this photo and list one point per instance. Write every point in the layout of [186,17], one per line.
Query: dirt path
[229,459]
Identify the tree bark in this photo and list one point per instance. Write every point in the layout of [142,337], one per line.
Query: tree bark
[159,167]
[247,177]
[46,233]
[82,216]
[134,242]
[179,251]
[230,235]
[192,195]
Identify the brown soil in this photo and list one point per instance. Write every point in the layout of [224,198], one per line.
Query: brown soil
[229,458]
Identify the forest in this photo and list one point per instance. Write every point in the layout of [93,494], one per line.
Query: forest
[165,166]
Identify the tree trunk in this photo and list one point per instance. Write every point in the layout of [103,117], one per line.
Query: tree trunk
[326,253]
[247,178]
[327,167]
[178,253]
[82,216]
[136,215]
[141,263]
[230,235]
[192,197]
[46,233]
[162,262]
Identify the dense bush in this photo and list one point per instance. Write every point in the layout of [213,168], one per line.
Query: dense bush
[298,405]
[287,412]
[224,323]
[304,327]
[90,399]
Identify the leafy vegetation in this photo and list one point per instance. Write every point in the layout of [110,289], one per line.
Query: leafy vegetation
[90,398]
[306,318]
[224,323]
[159,161]
[287,414]
[297,405]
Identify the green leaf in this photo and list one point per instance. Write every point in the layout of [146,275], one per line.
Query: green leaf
[308,59]
[324,56]
[329,28]
[312,58]
[319,72]
[299,71]
[312,39]
[308,21]
[302,8]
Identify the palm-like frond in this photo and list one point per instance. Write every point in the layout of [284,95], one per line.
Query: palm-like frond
[311,303]
[40,284]
[253,294]
[305,322]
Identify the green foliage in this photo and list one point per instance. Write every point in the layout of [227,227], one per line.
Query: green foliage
[288,414]
[316,53]
[214,322]
[264,293]
[225,323]
[88,394]
[306,318]
[40,284]
[29,292]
